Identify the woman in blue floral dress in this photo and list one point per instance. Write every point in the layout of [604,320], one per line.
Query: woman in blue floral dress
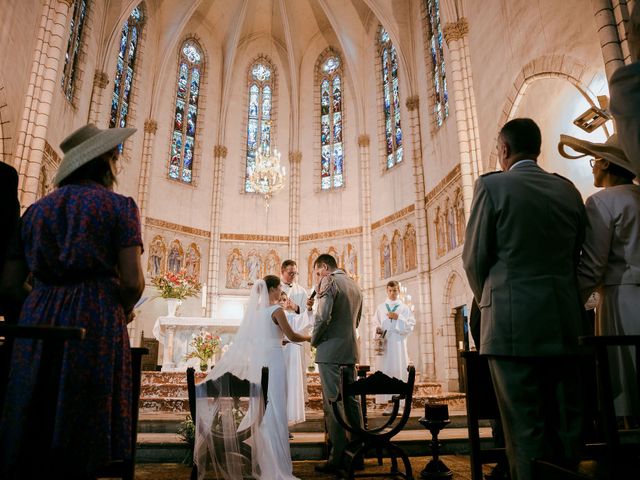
[82,246]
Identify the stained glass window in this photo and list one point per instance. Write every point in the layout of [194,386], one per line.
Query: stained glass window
[76,26]
[391,99]
[441,104]
[185,117]
[259,112]
[125,65]
[331,124]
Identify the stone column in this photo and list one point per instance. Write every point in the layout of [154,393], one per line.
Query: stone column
[295,159]
[453,34]
[368,305]
[608,33]
[476,152]
[621,13]
[150,129]
[43,84]
[100,81]
[213,287]
[427,357]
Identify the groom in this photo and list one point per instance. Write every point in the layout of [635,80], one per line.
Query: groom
[334,336]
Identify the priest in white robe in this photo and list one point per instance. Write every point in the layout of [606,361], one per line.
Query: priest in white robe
[295,354]
[394,321]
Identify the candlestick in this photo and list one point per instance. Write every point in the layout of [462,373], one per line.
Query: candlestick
[204,296]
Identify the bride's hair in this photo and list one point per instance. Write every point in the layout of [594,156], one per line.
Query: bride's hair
[272,281]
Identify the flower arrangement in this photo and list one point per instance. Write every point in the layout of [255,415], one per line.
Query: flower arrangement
[176,285]
[205,345]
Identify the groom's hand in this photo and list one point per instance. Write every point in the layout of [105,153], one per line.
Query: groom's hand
[310,302]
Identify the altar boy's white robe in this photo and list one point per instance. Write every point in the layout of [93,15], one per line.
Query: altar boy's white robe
[293,353]
[395,360]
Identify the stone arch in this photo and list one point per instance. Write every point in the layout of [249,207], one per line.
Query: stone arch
[455,295]
[546,66]
[313,255]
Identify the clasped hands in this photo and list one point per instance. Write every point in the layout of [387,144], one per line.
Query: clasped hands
[392,315]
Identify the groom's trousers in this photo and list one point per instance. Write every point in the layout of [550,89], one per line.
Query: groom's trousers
[350,408]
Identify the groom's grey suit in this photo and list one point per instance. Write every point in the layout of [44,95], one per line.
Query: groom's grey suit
[334,336]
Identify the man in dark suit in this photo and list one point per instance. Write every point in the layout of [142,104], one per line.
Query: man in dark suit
[335,339]
[521,251]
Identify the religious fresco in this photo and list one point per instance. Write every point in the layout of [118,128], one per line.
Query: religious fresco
[397,254]
[272,263]
[235,269]
[192,261]
[410,248]
[244,268]
[449,223]
[253,267]
[175,260]
[156,263]
[313,255]
[400,254]
[385,258]
[350,261]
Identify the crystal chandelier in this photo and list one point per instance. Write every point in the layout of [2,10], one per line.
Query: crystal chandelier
[267,177]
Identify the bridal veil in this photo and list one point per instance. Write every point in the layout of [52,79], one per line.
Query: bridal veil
[225,428]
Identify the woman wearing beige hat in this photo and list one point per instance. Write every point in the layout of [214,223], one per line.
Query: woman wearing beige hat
[610,259]
[82,246]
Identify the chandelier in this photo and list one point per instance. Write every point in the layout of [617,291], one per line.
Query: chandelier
[267,177]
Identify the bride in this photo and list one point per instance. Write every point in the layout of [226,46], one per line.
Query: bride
[257,344]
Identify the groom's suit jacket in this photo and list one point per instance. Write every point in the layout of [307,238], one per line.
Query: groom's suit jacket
[521,252]
[336,319]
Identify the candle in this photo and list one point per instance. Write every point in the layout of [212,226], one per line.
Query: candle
[204,296]
[436,411]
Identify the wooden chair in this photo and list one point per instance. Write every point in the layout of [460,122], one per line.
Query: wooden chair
[237,389]
[150,360]
[481,405]
[126,469]
[620,458]
[378,438]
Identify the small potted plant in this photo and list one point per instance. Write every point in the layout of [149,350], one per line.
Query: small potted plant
[175,287]
[203,347]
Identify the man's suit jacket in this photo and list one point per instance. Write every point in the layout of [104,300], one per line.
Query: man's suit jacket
[336,319]
[521,253]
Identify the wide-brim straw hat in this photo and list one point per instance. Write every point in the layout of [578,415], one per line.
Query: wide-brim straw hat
[609,150]
[87,143]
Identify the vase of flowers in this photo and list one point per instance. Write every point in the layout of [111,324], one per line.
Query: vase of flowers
[175,287]
[203,347]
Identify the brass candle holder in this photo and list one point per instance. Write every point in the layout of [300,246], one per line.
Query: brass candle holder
[436,417]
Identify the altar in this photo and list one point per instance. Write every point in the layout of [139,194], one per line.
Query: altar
[175,334]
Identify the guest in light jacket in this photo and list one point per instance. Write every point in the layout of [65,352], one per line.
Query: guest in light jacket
[610,260]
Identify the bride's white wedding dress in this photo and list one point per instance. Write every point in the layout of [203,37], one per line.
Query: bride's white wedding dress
[275,456]
[257,344]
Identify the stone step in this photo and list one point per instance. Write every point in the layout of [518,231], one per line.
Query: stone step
[162,422]
[179,390]
[170,448]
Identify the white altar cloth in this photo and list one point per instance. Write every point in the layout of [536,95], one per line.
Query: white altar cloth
[175,333]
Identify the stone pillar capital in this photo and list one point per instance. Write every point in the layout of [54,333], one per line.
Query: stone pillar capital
[363,140]
[413,102]
[150,126]
[220,151]
[295,156]
[456,30]
[100,79]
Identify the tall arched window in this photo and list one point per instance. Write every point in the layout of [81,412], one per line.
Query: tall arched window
[76,26]
[259,110]
[125,66]
[331,121]
[441,100]
[183,138]
[391,98]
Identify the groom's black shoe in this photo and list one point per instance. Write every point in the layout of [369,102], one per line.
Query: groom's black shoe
[326,467]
